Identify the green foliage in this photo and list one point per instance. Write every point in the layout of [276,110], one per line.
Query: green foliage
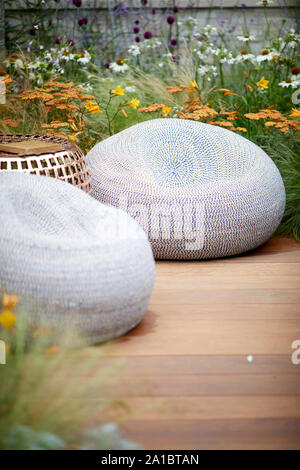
[46,387]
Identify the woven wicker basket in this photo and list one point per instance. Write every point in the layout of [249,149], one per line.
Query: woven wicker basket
[67,164]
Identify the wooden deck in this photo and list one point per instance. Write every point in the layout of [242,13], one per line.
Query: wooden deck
[186,382]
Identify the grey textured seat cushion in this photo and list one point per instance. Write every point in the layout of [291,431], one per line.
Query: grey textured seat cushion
[71,257]
[199,191]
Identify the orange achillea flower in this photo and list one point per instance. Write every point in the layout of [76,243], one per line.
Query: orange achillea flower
[221,123]
[56,84]
[240,129]
[152,108]
[9,301]
[87,97]
[191,105]
[284,125]
[11,122]
[36,94]
[201,112]
[231,115]
[265,114]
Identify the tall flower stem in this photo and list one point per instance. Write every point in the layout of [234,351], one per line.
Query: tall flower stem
[221,73]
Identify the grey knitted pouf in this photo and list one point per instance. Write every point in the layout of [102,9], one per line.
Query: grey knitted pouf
[72,259]
[199,191]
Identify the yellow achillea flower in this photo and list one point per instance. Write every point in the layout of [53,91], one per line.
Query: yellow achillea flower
[7,319]
[263,83]
[118,91]
[92,107]
[134,103]
[166,110]
[9,301]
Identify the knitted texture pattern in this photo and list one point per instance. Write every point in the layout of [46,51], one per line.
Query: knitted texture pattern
[198,191]
[72,259]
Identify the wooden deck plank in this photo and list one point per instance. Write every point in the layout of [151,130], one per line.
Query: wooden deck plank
[202,385]
[184,365]
[182,375]
[216,434]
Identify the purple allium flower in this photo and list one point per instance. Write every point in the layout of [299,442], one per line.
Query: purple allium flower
[175,9]
[174,58]
[137,22]
[144,2]
[170,19]
[57,40]
[243,5]
[137,39]
[88,35]
[136,29]
[77,3]
[174,42]
[148,35]
[70,42]
[106,65]
[153,11]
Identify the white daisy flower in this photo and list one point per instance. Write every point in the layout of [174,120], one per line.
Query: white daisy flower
[246,38]
[119,67]
[244,57]
[134,50]
[265,3]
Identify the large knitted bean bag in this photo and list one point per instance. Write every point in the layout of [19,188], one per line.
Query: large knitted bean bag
[199,191]
[71,259]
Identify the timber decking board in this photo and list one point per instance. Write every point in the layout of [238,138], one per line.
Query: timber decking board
[183,376]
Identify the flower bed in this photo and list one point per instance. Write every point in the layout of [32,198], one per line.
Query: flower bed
[209,74]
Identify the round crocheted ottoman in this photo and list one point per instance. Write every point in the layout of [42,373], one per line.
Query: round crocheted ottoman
[199,191]
[71,259]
